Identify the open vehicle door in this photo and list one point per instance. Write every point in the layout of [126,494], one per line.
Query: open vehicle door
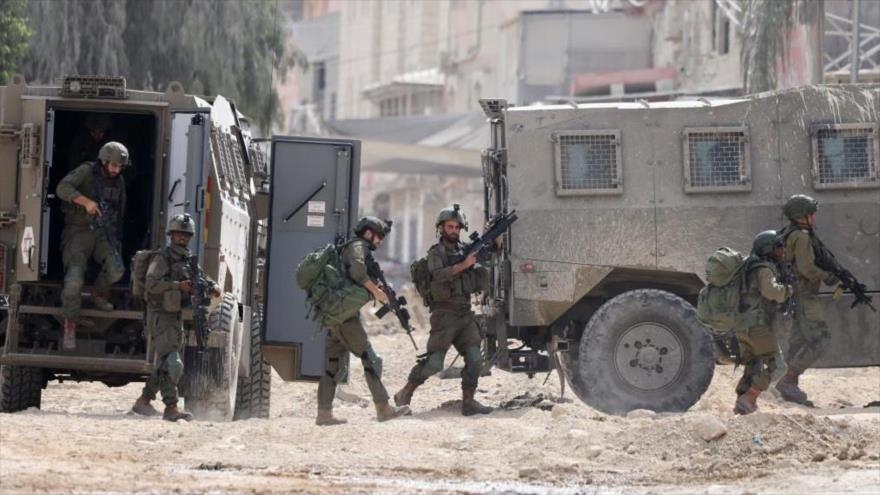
[33,179]
[313,201]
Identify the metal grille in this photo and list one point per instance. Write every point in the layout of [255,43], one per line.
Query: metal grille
[716,159]
[846,155]
[588,162]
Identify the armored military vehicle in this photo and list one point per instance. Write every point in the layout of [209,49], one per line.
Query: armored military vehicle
[620,204]
[189,154]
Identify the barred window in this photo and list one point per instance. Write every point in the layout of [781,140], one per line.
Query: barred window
[845,156]
[716,159]
[588,162]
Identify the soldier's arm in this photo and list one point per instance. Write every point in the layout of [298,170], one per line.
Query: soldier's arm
[442,273]
[770,288]
[158,277]
[68,188]
[123,198]
[355,259]
[805,260]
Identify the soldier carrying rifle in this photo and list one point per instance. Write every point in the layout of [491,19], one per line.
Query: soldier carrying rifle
[94,201]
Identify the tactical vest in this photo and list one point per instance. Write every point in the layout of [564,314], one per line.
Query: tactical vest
[170,301]
[457,291]
[109,189]
[755,309]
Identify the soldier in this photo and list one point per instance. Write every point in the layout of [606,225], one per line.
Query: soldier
[452,320]
[757,343]
[88,141]
[809,333]
[167,289]
[350,335]
[94,202]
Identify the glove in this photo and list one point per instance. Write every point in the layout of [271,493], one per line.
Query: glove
[831,279]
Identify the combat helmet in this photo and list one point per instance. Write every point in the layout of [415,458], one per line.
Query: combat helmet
[114,151]
[799,206]
[765,242]
[181,223]
[452,213]
[377,225]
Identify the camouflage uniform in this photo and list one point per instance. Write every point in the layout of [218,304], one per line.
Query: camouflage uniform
[452,320]
[79,241]
[809,334]
[165,301]
[757,343]
[351,337]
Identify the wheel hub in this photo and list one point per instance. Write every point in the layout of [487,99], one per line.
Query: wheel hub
[648,356]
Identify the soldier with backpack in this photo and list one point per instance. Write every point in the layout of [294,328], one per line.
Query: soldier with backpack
[446,281]
[760,293]
[167,288]
[349,335]
[809,334]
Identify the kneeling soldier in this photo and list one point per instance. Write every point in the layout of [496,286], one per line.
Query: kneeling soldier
[168,287]
[452,320]
[350,336]
[758,346]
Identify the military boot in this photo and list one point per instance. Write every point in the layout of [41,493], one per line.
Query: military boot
[143,407]
[789,390]
[172,413]
[747,403]
[387,412]
[469,405]
[101,301]
[68,342]
[326,418]
[404,397]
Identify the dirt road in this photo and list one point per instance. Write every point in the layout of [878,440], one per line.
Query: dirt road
[82,441]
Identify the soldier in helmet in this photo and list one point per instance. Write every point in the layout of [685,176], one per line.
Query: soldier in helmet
[809,334]
[452,320]
[167,291]
[350,335]
[757,343]
[94,202]
[88,141]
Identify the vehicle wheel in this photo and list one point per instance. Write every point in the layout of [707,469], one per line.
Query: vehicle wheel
[210,381]
[20,388]
[644,349]
[254,391]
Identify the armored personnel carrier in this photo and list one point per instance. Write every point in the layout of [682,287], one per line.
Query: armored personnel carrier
[620,204]
[189,154]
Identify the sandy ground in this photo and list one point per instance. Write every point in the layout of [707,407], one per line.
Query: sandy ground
[82,441]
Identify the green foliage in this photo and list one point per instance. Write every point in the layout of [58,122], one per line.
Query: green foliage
[211,47]
[14,35]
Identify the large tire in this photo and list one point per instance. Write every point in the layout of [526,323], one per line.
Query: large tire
[644,349]
[254,391]
[211,381]
[20,388]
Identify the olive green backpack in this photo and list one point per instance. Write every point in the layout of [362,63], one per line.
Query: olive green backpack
[332,297]
[718,305]
[421,278]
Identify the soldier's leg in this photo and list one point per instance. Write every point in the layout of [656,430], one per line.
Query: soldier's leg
[76,247]
[334,353]
[168,345]
[467,342]
[112,267]
[163,344]
[809,338]
[758,350]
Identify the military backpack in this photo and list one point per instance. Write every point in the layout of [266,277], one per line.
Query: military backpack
[140,263]
[718,305]
[421,278]
[331,296]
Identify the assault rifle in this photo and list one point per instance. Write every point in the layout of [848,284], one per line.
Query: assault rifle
[199,299]
[480,244]
[787,276]
[825,260]
[396,304]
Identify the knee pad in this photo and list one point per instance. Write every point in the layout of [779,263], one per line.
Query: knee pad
[372,362]
[472,356]
[173,365]
[115,272]
[434,362]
